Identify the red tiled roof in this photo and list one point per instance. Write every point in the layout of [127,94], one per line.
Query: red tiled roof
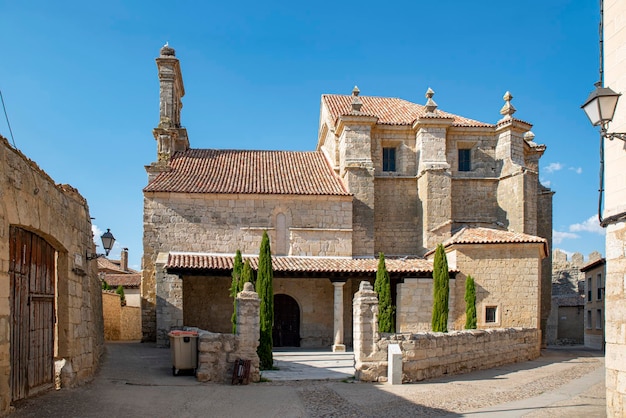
[106,265]
[389,110]
[482,235]
[248,172]
[125,280]
[593,264]
[223,262]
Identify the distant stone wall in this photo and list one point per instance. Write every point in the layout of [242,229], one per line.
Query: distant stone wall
[428,355]
[57,213]
[121,323]
[217,353]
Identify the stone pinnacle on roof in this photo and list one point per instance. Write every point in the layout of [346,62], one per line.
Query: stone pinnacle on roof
[356,102]
[508,109]
[167,50]
[430,105]
[529,136]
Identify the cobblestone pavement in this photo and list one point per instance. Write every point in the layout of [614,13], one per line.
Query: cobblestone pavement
[136,380]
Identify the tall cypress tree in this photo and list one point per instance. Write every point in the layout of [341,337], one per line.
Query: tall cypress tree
[236,286]
[382,286]
[265,276]
[441,291]
[470,303]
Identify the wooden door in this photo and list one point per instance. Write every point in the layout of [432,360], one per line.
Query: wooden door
[32,272]
[286,330]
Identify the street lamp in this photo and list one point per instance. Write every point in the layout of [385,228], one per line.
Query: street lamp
[600,109]
[107,242]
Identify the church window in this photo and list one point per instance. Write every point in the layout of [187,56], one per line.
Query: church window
[389,159]
[491,314]
[465,159]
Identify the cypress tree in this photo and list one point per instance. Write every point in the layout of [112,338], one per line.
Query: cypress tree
[120,291]
[236,286]
[265,290]
[470,303]
[441,291]
[382,286]
[247,275]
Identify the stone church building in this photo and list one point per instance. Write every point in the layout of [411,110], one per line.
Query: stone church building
[387,175]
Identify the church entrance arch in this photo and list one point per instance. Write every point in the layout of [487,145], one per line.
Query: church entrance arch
[286,330]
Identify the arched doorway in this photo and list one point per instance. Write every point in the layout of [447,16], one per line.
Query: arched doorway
[286,330]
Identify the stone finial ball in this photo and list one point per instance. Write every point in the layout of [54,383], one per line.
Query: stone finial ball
[248,287]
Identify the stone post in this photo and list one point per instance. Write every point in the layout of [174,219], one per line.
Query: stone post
[338,322]
[365,317]
[248,327]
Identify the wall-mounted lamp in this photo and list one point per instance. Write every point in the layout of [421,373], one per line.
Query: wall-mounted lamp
[600,109]
[107,242]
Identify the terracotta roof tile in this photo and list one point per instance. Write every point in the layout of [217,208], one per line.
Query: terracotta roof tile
[248,172]
[224,262]
[125,280]
[482,235]
[106,265]
[389,110]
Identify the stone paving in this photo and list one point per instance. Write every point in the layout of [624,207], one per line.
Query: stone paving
[136,380]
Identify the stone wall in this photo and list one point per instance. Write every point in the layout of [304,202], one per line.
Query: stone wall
[315,225]
[506,276]
[427,355]
[32,201]
[396,217]
[121,323]
[415,305]
[217,353]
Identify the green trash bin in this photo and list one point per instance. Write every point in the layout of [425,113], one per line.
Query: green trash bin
[184,349]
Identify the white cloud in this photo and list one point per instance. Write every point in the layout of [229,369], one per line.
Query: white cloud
[552,167]
[558,237]
[577,170]
[97,232]
[545,182]
[590,225]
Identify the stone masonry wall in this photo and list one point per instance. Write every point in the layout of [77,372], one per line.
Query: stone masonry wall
[217,353]
[31,200]
[318,225]
[121,323]
[396,222]
[415,305]
[507,278]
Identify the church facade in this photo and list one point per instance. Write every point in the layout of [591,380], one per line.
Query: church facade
[387,175]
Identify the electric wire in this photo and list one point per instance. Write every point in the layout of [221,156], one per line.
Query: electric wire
[7,118]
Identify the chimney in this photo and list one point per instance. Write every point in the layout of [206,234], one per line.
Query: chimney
[124,259]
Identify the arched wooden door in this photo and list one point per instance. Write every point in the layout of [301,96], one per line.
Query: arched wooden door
[286,330]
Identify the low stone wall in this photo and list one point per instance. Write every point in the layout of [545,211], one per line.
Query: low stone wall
[432,354]
[217,353]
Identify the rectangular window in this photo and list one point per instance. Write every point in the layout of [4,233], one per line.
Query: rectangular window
[491,314]
[588,319]
[598,318]
[465,161]
[389,159]
[589,290]
[599,286]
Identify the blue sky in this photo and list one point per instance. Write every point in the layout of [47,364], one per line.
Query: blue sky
[81,90]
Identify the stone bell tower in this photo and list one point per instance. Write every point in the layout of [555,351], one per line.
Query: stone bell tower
[169,134]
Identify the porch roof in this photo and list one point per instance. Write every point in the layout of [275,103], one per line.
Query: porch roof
[287,266]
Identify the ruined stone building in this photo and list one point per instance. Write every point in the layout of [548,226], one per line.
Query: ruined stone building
[51,330]
[387,175]
[567,322]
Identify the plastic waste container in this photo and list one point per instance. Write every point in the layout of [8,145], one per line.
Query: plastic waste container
[184,348]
